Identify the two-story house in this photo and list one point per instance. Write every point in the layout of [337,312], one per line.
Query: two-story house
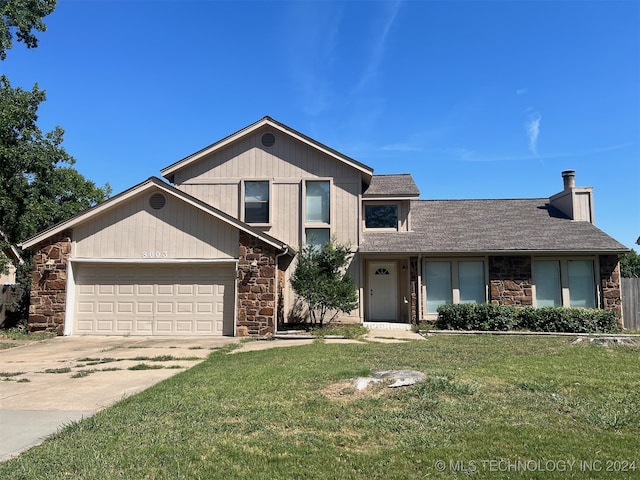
[212,248]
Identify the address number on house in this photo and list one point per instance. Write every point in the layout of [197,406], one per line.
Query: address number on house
[155,254]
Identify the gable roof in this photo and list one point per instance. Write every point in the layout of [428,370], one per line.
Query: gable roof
[169,172]
[396,185]
[10,250]
[491,226]
[152,183]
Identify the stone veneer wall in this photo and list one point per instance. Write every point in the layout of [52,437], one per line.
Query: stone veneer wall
[610,285]
[510,280]
[49,287]
[413,285]
[256,286]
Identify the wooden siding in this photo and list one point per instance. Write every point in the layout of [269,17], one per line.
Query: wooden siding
[217,179]
[223,196]
[134,229]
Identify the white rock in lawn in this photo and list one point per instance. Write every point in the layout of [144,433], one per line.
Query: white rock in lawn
[400,378]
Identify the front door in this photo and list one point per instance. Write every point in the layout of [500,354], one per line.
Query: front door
[383,291]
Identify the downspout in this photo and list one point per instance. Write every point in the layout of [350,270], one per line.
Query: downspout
[419,290]
[275,296]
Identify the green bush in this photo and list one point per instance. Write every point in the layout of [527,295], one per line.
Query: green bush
[486,317]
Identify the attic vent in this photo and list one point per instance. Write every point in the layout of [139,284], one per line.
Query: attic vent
[268,139]
[157,201]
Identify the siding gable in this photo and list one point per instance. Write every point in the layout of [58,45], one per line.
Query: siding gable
[217,177]
[133,229]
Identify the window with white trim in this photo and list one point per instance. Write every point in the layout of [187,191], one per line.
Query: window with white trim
[256,201]
[569,283]
[453,281]
[317,212]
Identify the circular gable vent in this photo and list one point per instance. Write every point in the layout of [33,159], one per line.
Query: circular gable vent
[157,201]
[268,139]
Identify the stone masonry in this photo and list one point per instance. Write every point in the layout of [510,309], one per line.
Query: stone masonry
[610,285]
[256,286]
[510,280]
[49,285]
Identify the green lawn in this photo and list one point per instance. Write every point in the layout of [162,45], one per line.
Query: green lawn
[493,406]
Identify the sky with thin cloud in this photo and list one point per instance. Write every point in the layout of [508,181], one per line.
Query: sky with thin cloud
[483,99]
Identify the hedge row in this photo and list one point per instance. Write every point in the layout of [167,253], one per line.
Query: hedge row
[485,317]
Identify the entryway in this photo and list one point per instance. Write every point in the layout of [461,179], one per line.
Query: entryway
[383,291]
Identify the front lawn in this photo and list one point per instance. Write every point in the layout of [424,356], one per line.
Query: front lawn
[492,407]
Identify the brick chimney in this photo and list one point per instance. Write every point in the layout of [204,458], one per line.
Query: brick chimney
[575,202]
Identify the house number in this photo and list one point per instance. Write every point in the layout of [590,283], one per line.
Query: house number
[155,254]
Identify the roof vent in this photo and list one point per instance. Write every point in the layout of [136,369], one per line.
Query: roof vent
[268,139]
[157,201]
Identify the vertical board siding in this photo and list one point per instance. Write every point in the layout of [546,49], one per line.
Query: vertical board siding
[178,229]
[631,303]
[216,180]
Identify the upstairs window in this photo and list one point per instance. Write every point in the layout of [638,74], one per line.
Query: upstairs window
[317,202]
[317,212]
[256,201]
[381,216]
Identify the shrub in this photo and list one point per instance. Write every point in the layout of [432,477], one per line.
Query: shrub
[485,317]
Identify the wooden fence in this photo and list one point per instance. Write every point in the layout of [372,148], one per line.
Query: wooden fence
[631,303]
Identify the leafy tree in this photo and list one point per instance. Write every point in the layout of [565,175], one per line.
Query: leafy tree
[22,17]
[40,187]
[321,281]
[630,265]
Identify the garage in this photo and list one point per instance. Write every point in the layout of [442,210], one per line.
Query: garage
[153,299]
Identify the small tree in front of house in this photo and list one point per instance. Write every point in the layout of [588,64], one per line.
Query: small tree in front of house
[322,282]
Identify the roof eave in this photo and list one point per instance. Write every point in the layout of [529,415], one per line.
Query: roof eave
[137,189]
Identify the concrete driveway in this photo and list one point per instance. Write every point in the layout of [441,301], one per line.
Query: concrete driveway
[52,383]
[49,384]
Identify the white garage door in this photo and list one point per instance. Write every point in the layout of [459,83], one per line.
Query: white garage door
[178,299]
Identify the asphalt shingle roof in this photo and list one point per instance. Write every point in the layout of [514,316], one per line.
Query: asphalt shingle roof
[467,226]
[399,185]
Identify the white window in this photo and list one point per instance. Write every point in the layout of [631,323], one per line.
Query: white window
[438,280]
[581,283]
[317,202]
[317,208]
[569,283]
[256,201]
[455,281]
[471,282]
[546,274]
[317,236]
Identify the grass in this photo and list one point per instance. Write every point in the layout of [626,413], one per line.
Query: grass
[282,414]
[17,333]
[14,337]
[346,331]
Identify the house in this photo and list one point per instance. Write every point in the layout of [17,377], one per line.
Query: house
[210,247]
[8,275]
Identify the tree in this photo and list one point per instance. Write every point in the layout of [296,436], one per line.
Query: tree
[22,17]
[40,188]
[321,281]
[630,265]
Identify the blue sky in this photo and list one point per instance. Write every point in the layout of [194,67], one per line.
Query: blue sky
[483,99]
